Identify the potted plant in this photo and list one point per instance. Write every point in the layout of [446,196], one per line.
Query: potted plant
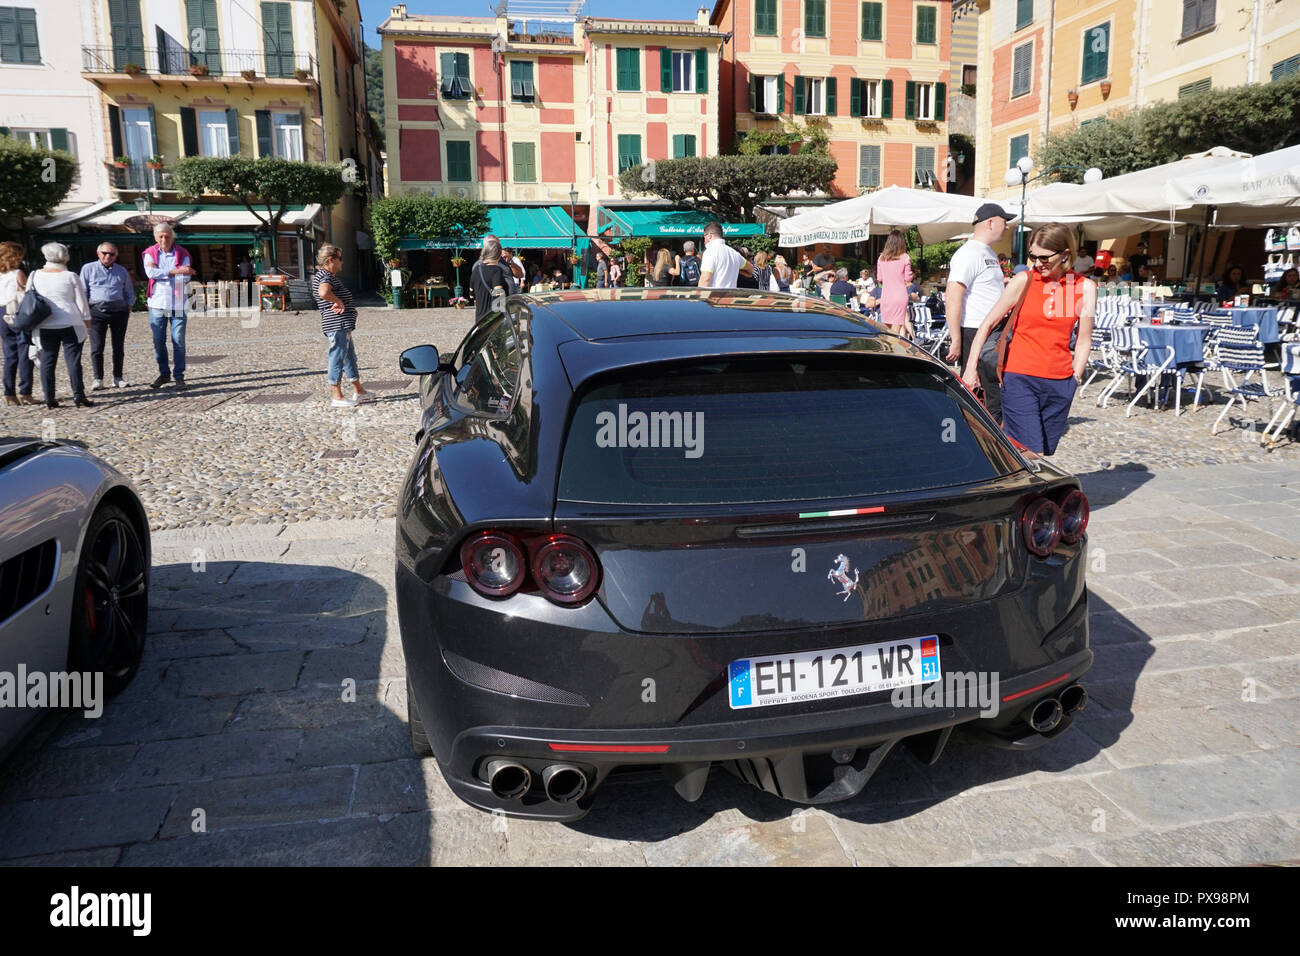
[1073,96]
[302,75]
[460,302]
[154,162]
[249,75]
[120,162]
[574,258]
[1105,88]
[457,261]
[131,69]
[198,69]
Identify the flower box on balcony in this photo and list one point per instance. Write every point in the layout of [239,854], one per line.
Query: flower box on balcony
[154,162]
[198,69]
[302,75]
[249,75]
[131,69]
[118,162]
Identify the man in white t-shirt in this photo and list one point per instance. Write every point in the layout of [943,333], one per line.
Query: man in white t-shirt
[720,265]
[975,283]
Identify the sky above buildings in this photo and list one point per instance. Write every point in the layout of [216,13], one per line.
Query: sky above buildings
[375,12]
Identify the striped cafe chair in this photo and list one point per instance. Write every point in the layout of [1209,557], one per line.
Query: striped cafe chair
[1290,367]
[1238,351]
[1134,360]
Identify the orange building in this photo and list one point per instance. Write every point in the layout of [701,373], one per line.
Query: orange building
[876,74]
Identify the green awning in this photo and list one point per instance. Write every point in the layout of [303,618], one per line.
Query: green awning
[665,224]
[518,227]
[145,239]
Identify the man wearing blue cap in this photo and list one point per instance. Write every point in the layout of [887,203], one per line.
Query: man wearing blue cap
[975,284]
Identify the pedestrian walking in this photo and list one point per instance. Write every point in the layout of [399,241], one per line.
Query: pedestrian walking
[489,278]
[169,269]
[763,274]
[1040,373]
[894,272]
[975,283]
[602,271]
[615,273]
[721,265]
[17,360]
[111,295]
[338,320]
[783,274]
[664,271]
[68,323]
[688,265]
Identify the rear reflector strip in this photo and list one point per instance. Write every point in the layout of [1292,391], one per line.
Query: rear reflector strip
[1055,680]
[610,748]
[842,514]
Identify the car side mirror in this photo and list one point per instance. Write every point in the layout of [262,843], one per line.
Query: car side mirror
[421,360]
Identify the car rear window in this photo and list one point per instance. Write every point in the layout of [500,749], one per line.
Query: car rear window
[775,429]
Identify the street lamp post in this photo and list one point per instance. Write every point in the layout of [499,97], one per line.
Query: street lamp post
[1019,173]
[573,232]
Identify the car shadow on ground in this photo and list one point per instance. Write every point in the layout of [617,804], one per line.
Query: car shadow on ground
[254,732]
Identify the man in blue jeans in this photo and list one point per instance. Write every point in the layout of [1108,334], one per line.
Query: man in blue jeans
[169,269]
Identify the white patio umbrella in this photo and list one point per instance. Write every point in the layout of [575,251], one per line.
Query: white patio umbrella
[1259,190]
[1043,206]
[936,215]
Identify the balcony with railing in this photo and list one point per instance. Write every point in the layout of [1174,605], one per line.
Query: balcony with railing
[136,176]
[178,63]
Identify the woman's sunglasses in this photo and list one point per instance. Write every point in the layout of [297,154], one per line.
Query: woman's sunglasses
[1040,260]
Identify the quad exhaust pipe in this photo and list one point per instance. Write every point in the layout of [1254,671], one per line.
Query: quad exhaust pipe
[1045,715]
[1073,699]
[564,783]
[508,780]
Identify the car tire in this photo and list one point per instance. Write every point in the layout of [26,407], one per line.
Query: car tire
[419,740]
[110,603]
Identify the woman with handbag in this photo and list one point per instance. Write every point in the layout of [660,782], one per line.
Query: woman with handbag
[67,325]
[1038,371]
[17,363]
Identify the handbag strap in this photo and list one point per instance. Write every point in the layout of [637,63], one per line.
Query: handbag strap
[1014,314]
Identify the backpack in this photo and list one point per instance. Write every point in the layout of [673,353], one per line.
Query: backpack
[182,258]
[690,270]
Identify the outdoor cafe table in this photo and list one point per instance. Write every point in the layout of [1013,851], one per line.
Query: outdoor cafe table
[1188,340]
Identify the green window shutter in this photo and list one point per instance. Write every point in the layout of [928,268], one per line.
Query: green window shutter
[525,157]
[9,49]
[677,146]
[18,40]
[1096,53]
[264,147]
[855,97]
[701,71]
[800,100]
[871,21]
[940,94]
[277,36]
[1285,68]
[830,96]
[153,130]
[765,18]
[780,93]
[459,169]
[629,69]
[232,130]
[689,144]
[4,130]
[665,70]
[814,18]
[753,92]
[115,129]
[189,132]
[887,99]
[1024,13]
[59,140]
[201,15]
[127,29]
[1019,147]
[1194,89]
[925,25]
[629,151]
[909,100]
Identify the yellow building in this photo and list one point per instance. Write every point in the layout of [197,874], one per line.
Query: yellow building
[184,78]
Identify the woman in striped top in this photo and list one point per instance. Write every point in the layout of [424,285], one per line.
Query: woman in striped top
[338,318]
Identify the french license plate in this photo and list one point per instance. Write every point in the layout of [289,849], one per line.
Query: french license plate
[838,672]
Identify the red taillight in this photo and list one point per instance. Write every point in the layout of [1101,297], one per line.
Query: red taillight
[1041,524]
[498,563]
[494,563]
[1074,516]
[565,569]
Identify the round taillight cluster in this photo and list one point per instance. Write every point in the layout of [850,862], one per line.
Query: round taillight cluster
[1052,520]
[497,564]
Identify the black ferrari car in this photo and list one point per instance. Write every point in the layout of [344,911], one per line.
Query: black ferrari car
[683,528]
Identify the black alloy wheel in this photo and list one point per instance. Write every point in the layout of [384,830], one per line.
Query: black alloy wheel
[111,602]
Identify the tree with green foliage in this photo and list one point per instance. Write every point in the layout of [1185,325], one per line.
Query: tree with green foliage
[802,138]
[272,184]
[729,187]
[928,259]
[33,181]
[394,218]
[373,70]
[1255,118]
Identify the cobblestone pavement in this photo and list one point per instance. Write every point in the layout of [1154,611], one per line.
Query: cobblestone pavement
[267,723]
[215,454]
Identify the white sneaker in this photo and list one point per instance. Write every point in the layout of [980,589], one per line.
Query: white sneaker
[96,385]
[121,383]
[342,403]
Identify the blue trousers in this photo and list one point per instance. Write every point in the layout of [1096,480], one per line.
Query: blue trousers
[158,320]
[1035,411]
[17,364]
[342,357]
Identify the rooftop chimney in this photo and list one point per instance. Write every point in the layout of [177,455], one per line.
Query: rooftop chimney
[398,11]
[702,17]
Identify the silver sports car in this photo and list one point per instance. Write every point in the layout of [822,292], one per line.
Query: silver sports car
[74,582]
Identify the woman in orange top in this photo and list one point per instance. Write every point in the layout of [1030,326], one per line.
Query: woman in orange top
[1039,372]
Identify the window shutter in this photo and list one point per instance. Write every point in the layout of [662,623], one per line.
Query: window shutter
[780,93]
[940,94]
[9,51]
[29,46]
[1207,14]
[1024,13]
[799,98]
[232,130]
[264,146]
[871,21]
[753,93]
[4,130]
[153,131]
[189,132]
[909,100]
[701,71]
[115,129]
[688,143]
[665,70]
[59,140]
[887,99]
[830,96]
[855,97]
